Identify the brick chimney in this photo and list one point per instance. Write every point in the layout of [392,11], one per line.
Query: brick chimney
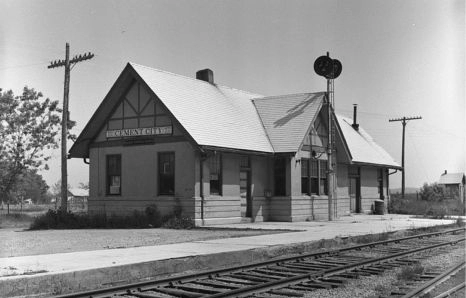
[205,75]
[355,124]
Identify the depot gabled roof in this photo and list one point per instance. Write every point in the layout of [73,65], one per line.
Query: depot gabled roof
[215,116]
[362,147]
[286,118]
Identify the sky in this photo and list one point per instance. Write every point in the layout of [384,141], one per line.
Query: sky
[400,58]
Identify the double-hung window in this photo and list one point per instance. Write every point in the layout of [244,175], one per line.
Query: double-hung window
[318,177]
[305,176]
[113,174]
[167,173]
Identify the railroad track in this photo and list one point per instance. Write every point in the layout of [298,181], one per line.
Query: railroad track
[430,285]
[289,276]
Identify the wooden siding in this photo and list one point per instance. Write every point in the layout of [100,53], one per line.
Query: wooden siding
[139,178]
[280,209]
[260,209]
[127,205]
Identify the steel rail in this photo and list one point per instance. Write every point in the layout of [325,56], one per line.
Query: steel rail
[452,290]
[124,289]
[306,277]
[430,285]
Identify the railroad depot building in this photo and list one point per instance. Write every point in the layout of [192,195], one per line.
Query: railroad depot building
[224,154]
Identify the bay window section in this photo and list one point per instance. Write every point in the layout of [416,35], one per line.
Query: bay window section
[314,175]
[323,178]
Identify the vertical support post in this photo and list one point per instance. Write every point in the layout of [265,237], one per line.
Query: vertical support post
[64,133]
[403,160]
[330,69]
[404,121]
[387,174]
[329,151]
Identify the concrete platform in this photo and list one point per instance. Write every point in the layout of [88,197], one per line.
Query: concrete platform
[42,275]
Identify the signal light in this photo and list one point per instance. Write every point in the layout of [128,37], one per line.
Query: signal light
[327,67]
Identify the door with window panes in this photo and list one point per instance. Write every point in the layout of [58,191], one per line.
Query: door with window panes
[245,187]
[354,190]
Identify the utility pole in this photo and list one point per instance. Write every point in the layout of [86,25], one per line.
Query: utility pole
[403,120]
[64,126]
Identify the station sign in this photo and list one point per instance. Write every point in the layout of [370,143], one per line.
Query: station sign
[136,132]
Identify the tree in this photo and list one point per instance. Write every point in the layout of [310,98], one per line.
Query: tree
[29,125]
[431,192]
[31,185]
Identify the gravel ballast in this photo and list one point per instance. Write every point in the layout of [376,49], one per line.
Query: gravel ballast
[382,285]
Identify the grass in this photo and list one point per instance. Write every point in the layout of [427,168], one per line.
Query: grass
[432,209]
[27,208]
[410,272]
[371,238]
[15,220]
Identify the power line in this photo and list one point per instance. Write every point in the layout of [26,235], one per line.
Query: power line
[419,156]
[24,65]
[68,64]
[404,121]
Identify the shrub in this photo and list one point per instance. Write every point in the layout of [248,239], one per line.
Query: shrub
[436,209]
[177,220]
[57,219]
[153,215]
[431,192]
[150,218]
[180,222]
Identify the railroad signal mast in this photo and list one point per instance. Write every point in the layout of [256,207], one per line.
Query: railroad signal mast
[404,121]
[330,69]
[68,64]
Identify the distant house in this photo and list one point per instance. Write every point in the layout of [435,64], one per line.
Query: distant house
[453,184]
[226,155]
[77,198]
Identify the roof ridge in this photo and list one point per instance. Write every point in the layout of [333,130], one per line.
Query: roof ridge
[262,124]
[291,94]
[194,79]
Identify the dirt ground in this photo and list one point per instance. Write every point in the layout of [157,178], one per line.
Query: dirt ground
[16,240]
[19,242]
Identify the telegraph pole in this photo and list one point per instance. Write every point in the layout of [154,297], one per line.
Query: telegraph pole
[64,125]
[403,120]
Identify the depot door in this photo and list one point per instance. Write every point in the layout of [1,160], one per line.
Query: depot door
[245,192]
[354,190]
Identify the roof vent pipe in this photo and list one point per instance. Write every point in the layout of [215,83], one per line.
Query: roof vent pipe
[205,75]
[355,124]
